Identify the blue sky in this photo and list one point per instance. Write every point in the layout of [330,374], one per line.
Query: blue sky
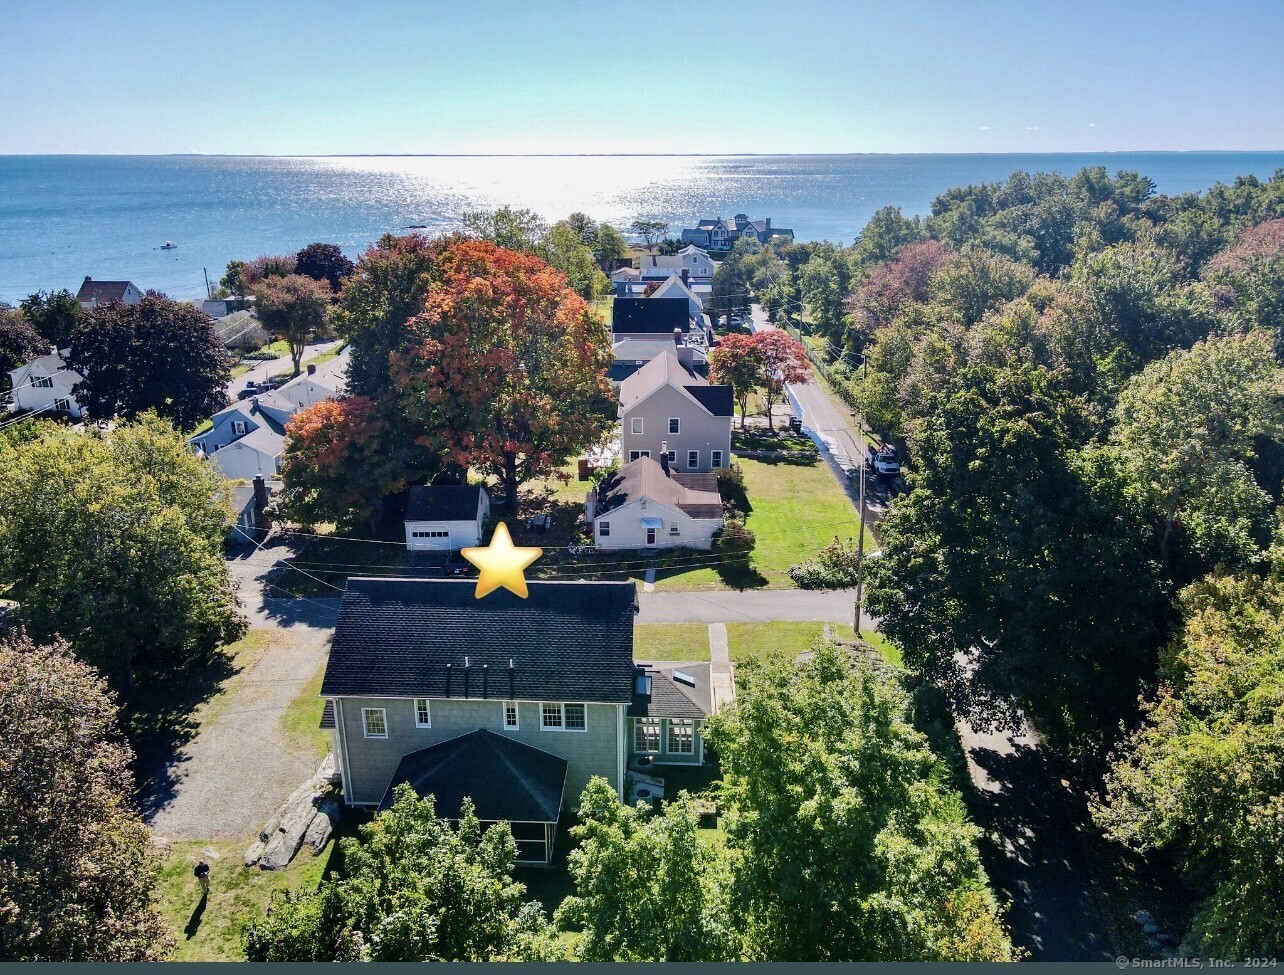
[285,77]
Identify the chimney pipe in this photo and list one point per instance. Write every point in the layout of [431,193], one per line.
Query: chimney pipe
[260,495]
[767,222]
[664,457]
[312,369]
[677,336]
[686,276]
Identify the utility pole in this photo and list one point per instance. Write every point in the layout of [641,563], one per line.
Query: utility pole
[860,547]
[207,282]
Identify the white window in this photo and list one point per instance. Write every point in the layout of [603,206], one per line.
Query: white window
[671,456]
[715,459]
[238,427]
[650,536]
[673,529]
[42,382]
[603,529]
[637,424]
[635,454]
[375,722]
[646,735]
[563,717]
[62,405]
[423,715]
[426,533]
[681,736]
[510,715]
[675,424]
[693,458]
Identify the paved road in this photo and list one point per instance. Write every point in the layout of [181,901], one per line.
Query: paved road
[751,606]
[272,367]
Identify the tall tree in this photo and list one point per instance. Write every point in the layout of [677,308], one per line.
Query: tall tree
[53,315]
[821,286]
[324,262]
[157,354]
[845,845]
[646,887]
[114,541]
[254,272]
[414,888]
[1187,426]
[888,287]
[649,230]
[564,249]
[736,362]
[508,227]
[1203,777]
[610,243]
[783,360]
[506,367]
[976,280]
[294,307]
[19,343]
[77,865]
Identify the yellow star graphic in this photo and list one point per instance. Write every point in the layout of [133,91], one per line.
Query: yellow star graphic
[501,563]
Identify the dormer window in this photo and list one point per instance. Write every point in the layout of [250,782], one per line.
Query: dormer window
[238,427]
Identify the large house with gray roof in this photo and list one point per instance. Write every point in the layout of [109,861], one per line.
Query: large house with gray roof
[514,703]
[669,410]
[719,234]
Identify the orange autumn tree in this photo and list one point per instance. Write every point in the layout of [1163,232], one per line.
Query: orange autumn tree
[336,467]
[505,367]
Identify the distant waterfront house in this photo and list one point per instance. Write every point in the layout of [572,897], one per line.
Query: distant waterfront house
[445,517]
[720,234]
[94,293]
[691,261]
[667,408]
[646,504]
[44,386]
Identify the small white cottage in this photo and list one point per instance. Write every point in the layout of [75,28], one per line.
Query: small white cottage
[445,517]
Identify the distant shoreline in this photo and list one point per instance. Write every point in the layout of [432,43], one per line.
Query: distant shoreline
[632,155]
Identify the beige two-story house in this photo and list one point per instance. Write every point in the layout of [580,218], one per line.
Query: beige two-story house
[667,408]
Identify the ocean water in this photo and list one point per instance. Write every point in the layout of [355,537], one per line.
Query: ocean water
[65,217]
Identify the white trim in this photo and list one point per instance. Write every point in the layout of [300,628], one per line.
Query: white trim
[561,715]
[503,716]
[659,736]
[718,455]
[622,752]
[636,425]
[693,459]
[678,421]
[427,709]
[341,726]
[365,727]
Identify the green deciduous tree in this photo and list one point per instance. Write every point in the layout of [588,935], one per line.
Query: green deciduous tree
[976,280]
[843,844]
[323,262]
[19,343]
[295,307]
[157,354]
[563,248]
[77,867]
[1186,426]
[649,230]
[53,315]
[1203,777]
[414,888]
[114,541]
[610,243]
[508,227]
[646,887]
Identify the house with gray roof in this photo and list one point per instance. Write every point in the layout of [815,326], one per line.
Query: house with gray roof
[721,234]
[514,703]
[45,386]
[668,410]
[647,505]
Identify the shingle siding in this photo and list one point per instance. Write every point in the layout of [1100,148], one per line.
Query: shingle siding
[370,762]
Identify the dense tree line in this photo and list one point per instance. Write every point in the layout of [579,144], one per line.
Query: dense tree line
[1085,378]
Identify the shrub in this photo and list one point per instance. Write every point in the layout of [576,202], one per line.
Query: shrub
[734,537]
[731,485]
[836,566]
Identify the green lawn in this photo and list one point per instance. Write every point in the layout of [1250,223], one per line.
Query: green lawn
[796,510]
[604,307]
[671,641]
[768,641]
[211,930]
[301,719]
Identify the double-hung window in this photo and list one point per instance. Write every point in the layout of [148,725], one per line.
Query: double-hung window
[510,715]
[374,722]
[675,424]
[423,714]
[646,735]
[681,736]
[603,529]
[693,458]
[563,717]
[716,460]
[41,382]
[238,428]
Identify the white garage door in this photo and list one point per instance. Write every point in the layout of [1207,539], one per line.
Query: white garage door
[427,538]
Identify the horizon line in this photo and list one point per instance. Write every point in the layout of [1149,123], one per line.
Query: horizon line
[637,155]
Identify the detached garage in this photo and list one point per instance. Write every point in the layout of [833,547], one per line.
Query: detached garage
[445,517]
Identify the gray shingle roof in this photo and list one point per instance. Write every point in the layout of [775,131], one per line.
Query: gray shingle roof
[673,698]
[655,315]
[716,399]
[569,641]
[506,779]
[443,502]
[696,495]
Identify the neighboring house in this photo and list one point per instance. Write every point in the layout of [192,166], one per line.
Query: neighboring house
[45,386]
[249,501]
[622,278]
[445,517]
[649,319]
[646,504]
[632,354]
[675,287]
[692,262]
[720,234]
[94,293]
[514,702]
[247,438]
[316,383]
[665,407]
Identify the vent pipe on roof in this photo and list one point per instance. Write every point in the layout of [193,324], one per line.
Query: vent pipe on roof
[466,664]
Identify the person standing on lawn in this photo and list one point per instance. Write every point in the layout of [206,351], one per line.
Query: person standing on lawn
[202,873]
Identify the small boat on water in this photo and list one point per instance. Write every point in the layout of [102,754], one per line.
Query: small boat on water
[169,245]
